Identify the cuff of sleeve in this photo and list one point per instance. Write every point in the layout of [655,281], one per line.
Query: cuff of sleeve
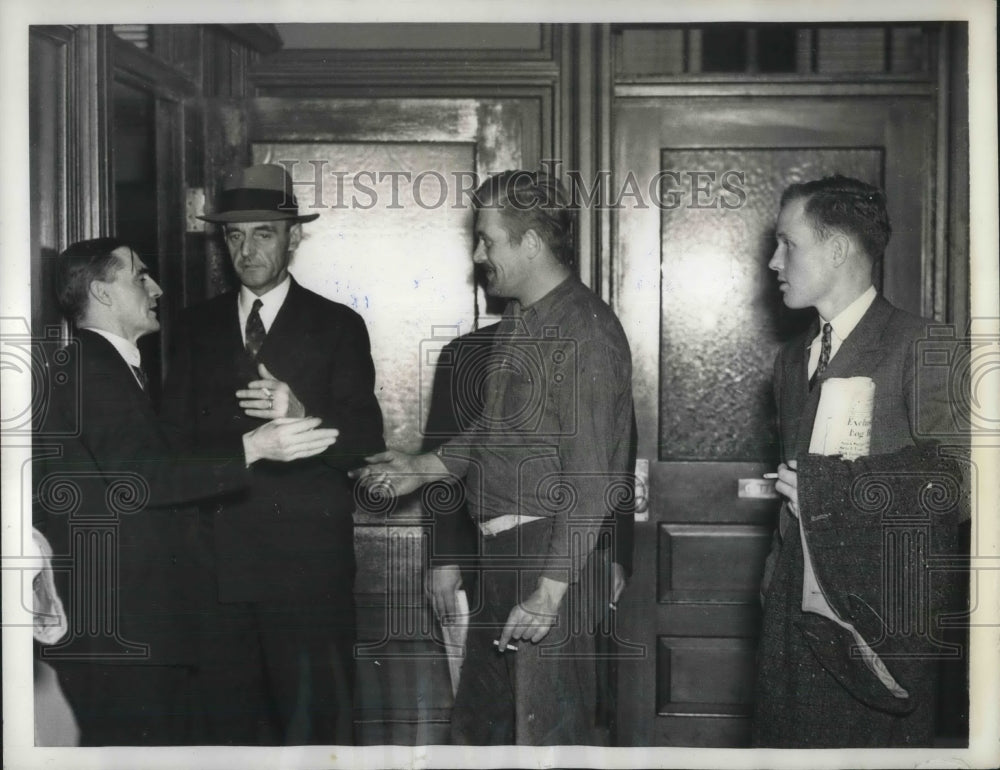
[455,464]
[561,574]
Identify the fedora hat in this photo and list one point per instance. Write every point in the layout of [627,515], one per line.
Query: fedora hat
[261,193]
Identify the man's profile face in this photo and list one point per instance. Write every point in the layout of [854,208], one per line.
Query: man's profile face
[800,259]
[260,251]
[505,266]
[133,294]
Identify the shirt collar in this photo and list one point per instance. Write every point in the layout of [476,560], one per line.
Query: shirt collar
[545,306]
[125,349]
[272,300]
[851,316]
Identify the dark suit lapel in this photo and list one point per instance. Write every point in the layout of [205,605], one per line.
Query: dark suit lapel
[288,319]
[864,348]
[107,361]
[109,377]
[796,417]
[288,335]
[230,339]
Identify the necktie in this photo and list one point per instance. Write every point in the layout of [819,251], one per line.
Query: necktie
[140,375]
[824,354]
[255,330]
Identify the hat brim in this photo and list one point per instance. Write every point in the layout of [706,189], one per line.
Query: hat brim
[261,215]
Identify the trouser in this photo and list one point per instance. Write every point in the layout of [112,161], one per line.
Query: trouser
[278,674]
[130,705]
[544,693]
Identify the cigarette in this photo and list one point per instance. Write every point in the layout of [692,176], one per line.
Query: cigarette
[509,647]
[770,475]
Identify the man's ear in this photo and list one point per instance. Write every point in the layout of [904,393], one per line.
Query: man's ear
[531,242]
[840,248]
[98,291]
[294,236]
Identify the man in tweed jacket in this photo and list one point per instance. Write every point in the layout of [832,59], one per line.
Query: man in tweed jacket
[815,687]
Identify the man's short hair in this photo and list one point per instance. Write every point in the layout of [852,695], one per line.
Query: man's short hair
[531,200]
[78,265]
[848,205]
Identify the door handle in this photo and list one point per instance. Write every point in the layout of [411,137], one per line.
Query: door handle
[642,489]
[761,489]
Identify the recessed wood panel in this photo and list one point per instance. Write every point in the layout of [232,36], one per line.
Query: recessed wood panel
[388,586]
[410,36]
[711,563]
[704,676]
[409,673]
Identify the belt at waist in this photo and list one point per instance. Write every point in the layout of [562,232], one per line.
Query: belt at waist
[494,526]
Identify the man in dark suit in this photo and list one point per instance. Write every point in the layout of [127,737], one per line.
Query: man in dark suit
[846,672]
[128,665]
[283,660]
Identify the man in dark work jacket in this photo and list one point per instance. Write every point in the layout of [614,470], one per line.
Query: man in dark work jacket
[850,673]
[457,401]
[115,500]
[544,465]
[283,658]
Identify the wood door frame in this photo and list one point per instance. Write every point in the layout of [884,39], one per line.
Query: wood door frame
[77,204]
[168,88]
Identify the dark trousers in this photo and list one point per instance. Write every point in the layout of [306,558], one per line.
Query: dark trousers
[545,693]
[130,705]
[278,674]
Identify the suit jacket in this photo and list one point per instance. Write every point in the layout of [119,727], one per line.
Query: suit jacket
[101,438]
[846,543]
[883,346]
[289,535]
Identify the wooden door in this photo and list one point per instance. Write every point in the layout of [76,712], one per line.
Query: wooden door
[705,319]
[391,180]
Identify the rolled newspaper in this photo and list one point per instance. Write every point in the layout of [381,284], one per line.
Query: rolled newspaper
[843,424]
[454,634]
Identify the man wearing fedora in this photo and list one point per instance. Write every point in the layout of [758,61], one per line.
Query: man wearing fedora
[279,668]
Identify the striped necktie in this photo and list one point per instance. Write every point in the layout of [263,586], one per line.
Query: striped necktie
[824,354]
[140,375]
[255,330]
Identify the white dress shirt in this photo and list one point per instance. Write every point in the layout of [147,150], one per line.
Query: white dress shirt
[272,302]
[842,325]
